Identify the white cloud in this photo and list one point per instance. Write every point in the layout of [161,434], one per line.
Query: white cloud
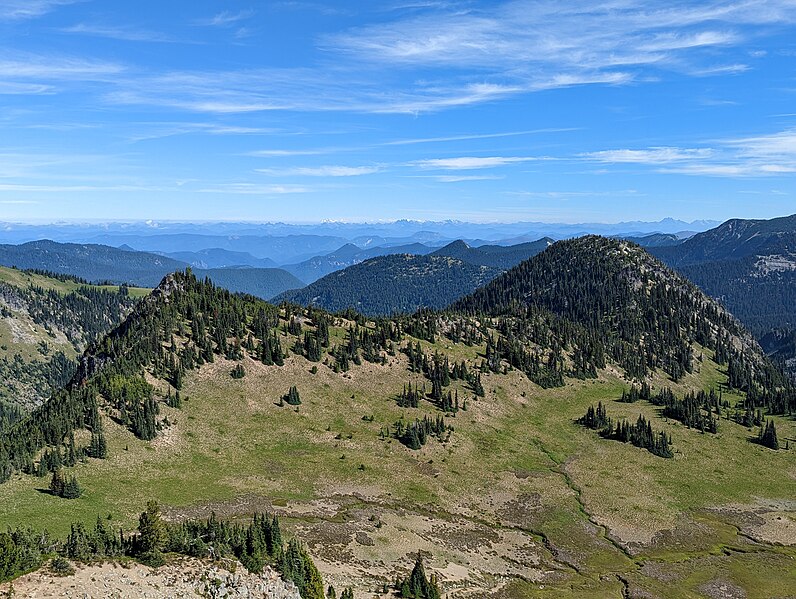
[756,156]
[254,189]
[658,155]
[466,137]
[9,88]
[470,162]
[50,68]
[322,171]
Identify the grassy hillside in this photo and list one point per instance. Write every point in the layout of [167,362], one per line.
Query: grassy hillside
[518,501]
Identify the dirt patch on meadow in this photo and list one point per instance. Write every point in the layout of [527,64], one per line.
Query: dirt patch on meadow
[765,521]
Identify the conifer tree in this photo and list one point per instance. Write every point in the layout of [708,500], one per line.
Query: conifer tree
[152,535]
[768,436]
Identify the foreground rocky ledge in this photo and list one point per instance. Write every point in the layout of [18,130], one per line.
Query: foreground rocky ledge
[184,577]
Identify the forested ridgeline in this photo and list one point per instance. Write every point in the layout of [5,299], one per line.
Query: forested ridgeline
[568,312]
[396,284]
[609,300]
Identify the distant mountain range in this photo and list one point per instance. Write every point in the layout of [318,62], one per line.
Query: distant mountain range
[749,265]
[179,237]
[99,263]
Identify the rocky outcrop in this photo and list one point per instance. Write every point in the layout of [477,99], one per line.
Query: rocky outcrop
[183,578]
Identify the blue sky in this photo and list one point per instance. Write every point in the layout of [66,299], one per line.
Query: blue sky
[548,110]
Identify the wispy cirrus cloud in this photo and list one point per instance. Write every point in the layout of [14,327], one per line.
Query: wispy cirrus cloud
[17,10]
[116,32]
[466,178]
[10,88]
[225,18]
[254,189]
[321,171]
[20,66]
[755,156]
[470,162]
[443,57]
[656,155]
[474,136]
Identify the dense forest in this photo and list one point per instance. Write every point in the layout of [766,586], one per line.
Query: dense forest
[91,262]
[395,284]
[610,300]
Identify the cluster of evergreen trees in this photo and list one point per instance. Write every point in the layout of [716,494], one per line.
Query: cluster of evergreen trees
[292,397]
[438,370]
[66,487]
[768,435]
[418,585]
[256,544]
[416,434]
[639,433]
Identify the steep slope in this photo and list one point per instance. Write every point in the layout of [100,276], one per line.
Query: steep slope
[44,324]
[400,283]
[505,493]
[313,269]
[749,265]
[493,256]
[260,282]
[90,262]
[645,314]
[736,239]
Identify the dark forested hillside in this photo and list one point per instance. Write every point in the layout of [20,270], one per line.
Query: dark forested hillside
[749,266]
[90,262]
[632,307]
[393,284]
[313,269]
[656,240]
[493,256]
[220,258]
[261,282]
[100,263]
